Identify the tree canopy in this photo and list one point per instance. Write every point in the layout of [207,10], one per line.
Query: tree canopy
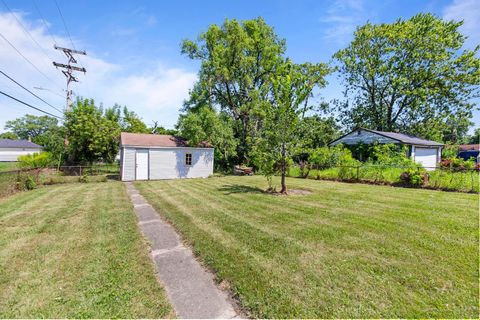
[91,136]
[237,61]
[411,75]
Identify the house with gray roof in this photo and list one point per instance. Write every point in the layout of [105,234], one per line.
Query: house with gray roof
[426,152]
[10,150]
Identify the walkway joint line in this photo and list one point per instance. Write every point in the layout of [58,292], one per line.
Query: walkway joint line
[191,288]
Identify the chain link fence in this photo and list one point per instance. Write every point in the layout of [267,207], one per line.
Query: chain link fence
[16,180]
[451,179]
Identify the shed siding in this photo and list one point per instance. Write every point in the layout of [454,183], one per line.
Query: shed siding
[169,163]
[128,164]
[366,137]
[12,154]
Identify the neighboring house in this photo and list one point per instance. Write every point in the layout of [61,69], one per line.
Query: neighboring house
[467,151]
[151,156]
[10,150]
[427,153]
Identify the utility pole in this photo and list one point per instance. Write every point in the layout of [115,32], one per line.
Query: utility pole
[69,69]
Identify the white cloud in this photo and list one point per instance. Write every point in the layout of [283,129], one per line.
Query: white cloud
[469,12]
[342,17]
[155,95]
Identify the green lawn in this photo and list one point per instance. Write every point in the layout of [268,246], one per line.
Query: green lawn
[74,251]
[345,250]
[6,166]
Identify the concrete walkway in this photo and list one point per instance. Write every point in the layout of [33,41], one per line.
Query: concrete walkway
[190,287]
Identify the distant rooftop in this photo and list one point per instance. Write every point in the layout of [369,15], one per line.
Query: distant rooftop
[406,138]
[9,143]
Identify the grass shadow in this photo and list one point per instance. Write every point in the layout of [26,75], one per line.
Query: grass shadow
[237,188]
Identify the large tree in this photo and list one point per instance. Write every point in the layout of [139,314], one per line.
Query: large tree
[411,75]
[205,124]
[31,126]
[278,140]
[91,136]
[237,60]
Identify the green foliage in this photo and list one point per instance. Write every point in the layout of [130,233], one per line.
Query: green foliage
[83,178]
[30,126]
[42,130]
[161,130]
[315,131]
[277,141]
[327,157]
[450,151]
[412,76]
[414,177]
[8,135]
[128,120]
[91,136]
[237,60]
[475,138]
[36,160]
[206,125]
[390,155]
[30,183]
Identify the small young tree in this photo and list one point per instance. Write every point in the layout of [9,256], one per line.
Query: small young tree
[278,140]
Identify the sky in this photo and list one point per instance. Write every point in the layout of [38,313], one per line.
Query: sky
[133,47]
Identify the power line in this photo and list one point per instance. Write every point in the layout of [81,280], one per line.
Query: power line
[64,24]
[26,31]
[71,41]
[44,22]
[13,80]
[29,105]
[26,59]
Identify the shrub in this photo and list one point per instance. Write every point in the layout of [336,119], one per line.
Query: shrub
[36,160]
[414,177]
[83,178]
[30,183]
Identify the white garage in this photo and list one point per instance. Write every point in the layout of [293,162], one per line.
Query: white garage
[10,150]
[428,153]
[154,157]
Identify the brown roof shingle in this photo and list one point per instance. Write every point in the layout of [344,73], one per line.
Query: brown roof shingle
[151,140]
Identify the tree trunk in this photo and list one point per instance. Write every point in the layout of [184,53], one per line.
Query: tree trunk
[284,185]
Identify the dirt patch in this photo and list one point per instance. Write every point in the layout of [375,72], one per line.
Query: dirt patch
[290,192]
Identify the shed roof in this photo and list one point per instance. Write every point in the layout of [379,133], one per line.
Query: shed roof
[400,137]
[9,143]
[155,140]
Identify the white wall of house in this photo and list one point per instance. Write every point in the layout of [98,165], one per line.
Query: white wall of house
[12,154]
[165,163]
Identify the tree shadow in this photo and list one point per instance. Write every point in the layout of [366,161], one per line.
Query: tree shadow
[237,188]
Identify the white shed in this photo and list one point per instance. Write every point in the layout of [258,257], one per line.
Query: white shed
[10,150]
[426,152]
[153,157]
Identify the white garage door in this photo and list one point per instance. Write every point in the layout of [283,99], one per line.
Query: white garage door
[427,157]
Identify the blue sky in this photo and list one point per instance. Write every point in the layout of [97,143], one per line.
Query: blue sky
[134,46]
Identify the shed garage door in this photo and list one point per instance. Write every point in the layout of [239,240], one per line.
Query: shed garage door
[427,157]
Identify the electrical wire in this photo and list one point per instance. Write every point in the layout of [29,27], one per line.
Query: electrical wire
[29,105]
[26,59]
[44,22]
[36,96]
[26,31]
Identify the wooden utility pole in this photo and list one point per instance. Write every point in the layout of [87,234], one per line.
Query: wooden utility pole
[69,69]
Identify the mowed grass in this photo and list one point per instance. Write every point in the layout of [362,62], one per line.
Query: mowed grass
[7,166]
[345,250]
[75,251]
